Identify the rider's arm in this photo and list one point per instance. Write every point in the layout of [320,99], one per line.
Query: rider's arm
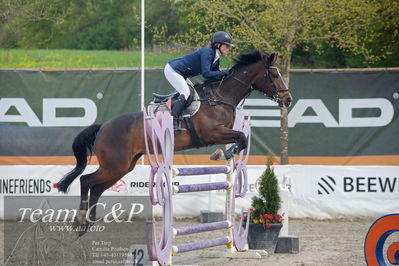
[206,62]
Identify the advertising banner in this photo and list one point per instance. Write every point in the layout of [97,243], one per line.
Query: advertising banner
[313,191]
[337,117]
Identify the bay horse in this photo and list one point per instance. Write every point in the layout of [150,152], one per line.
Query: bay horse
[119,143]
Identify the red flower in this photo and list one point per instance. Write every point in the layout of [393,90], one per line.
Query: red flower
[268,225]
[266,218]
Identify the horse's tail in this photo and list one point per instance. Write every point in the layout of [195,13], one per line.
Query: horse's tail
[82,145]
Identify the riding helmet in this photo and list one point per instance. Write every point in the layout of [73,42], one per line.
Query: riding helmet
[222,37]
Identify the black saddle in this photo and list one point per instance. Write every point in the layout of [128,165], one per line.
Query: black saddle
[159,98]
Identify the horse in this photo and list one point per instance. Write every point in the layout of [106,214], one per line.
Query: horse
[119,143]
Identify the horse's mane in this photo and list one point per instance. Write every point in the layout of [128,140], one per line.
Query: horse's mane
[241,61]
[248,58]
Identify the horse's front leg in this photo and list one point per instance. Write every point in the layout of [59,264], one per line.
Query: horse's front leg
[234,149]
[227,136]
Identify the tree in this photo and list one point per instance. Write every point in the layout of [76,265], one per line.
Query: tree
[161,21]
[283,25]
[29,23]
[100,24]
[269,201]
[82,24]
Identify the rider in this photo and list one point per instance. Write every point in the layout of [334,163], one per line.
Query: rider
[204,61]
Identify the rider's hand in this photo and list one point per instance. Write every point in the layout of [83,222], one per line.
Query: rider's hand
[225,72]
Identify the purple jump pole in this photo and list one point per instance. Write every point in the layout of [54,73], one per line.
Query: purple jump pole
[201,244]
[203,170]
[198,228]
[201,187]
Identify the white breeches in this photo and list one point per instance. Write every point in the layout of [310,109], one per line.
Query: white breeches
[177,81]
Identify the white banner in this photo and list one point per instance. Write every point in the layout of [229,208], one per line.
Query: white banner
[314,191]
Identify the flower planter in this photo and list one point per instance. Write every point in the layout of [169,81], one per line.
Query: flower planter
[260,237]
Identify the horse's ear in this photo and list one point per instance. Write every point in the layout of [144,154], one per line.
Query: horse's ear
[272,59]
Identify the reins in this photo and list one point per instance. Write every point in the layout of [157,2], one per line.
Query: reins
[273,97]
[218,101]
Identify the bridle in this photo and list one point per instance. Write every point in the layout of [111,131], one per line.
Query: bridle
[276,91]
[274,96]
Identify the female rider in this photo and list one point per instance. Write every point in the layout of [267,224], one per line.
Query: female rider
[204,61]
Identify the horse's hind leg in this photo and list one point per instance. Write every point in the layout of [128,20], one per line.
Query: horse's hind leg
[89,203]
[97,189]
[86,183]
[95,193]
[84,197]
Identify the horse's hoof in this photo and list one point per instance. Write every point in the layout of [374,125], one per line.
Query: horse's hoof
[218,155]
[82,232]
[82,229]
[80,219]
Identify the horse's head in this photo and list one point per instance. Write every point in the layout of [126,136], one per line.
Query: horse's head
[271,83]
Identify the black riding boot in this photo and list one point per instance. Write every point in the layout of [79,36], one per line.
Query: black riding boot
[177,109]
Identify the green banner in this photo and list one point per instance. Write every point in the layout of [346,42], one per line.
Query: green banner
[337,113]
[334,113]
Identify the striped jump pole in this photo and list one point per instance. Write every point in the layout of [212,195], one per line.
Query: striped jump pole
[158,134]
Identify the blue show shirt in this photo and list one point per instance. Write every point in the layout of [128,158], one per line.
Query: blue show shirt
[199,62]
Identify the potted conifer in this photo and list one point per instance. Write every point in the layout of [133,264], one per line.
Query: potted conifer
[265,222]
